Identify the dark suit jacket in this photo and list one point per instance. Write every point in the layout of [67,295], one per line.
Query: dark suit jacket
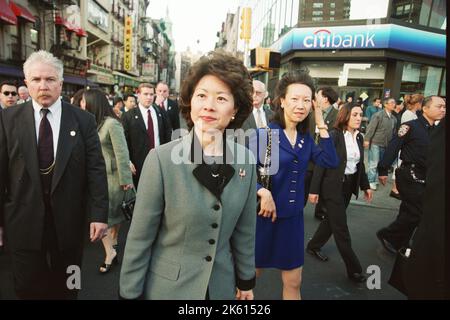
[426,269]
[136,134]
[79,174]
[329,121]
[328,182]
[250,122]
[173,112]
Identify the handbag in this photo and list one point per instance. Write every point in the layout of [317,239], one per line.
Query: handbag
[401,263]
[128,203]
[263,174]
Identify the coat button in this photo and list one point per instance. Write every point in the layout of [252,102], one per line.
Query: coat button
[214,225]
[208,258]
[211,241]
[216,207]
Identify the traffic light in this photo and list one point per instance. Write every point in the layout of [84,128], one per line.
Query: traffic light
[246,24]
[265,58]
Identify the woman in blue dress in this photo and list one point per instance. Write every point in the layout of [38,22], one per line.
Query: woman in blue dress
[280,226]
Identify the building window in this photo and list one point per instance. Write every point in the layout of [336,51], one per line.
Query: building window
[317,5]
[438,14]
[417,78]
[317,19]
[317,13]
[332,13]
[331,18]
[332,5]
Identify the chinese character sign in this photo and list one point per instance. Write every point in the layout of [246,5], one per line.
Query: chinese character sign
[128,41]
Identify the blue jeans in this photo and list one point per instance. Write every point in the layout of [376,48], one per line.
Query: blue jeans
[375,155]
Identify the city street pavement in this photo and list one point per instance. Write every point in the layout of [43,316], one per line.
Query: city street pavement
[321,280]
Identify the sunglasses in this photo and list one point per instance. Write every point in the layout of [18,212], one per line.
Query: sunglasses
[7,93]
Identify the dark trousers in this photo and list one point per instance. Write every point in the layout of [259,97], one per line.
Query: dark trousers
[411,191]
[335,223]
[42,274]
[320,209]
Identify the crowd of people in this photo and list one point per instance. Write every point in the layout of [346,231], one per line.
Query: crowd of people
[197,231]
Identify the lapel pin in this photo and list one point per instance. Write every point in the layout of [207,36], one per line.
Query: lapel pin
[73,133]
[300,145]
[241,173]
[136,117]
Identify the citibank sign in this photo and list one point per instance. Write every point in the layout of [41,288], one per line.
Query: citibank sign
[324,38]
[382,36]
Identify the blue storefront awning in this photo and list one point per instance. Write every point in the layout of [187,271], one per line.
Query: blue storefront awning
[79,80]
[11,71]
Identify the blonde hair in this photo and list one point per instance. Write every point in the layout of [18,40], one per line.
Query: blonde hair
[43,57]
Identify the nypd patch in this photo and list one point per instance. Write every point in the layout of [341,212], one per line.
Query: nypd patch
[404,128]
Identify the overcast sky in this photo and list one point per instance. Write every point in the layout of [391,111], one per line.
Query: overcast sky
[200,20]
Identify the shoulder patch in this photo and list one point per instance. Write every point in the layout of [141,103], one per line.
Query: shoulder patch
[404,128]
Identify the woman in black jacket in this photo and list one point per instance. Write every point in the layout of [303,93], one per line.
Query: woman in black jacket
[336,187]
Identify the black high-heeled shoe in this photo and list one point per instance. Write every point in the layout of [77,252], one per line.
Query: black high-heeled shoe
[105,268]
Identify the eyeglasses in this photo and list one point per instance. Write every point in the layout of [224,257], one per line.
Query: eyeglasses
[7,93]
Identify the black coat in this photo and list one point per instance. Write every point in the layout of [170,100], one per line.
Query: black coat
[173,113]
[424,273]
[328,182]
[136,134]
[79,175]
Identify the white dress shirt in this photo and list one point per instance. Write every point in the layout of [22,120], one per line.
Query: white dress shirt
[154,119]
[54,117]
[353,155]
[263,116]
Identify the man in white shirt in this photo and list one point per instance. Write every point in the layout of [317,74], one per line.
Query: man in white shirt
[170,106]
[8,94]
[146,127]
[53,182]
[261,116]
[24,95]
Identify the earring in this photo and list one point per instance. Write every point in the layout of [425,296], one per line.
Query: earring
[232,118]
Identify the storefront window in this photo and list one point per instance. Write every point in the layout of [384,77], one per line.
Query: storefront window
[357,78]
[422,79]
[443,85]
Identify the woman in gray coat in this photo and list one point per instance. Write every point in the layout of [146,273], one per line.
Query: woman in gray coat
[115,152]
[193,229]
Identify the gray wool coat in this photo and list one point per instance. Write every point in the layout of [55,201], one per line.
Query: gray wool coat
[117,161]
[183,240]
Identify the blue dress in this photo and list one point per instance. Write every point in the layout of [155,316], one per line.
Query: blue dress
[281,244]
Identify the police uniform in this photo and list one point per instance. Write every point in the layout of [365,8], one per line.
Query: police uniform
[412,139]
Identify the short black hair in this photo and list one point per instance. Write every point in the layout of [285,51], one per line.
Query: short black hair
[7,83]
[329,93]
[127,95]
[117,100]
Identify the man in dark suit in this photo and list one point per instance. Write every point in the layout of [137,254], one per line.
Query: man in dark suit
[52,172]
[170,106]
[261,115]
[8,94]
[146,127]
[325,98]
[426,269]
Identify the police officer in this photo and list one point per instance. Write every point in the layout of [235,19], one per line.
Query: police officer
[412,139]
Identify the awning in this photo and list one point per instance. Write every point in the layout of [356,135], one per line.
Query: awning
[6,14]
[60,21]
[81,32]
[22,12]
[73,79]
